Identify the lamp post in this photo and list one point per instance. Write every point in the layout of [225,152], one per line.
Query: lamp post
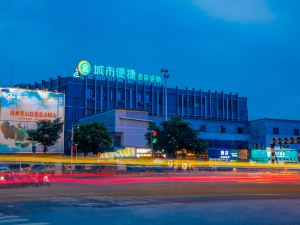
[73,145]
[166,76]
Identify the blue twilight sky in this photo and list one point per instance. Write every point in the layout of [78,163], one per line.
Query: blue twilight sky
[245,46]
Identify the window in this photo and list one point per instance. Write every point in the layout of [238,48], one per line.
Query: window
[202,128]
[139,98]
[179,101]
[160,100]
[147,98]
[197,102]
[296,132]
[90,94]
[184,101]
[117,141]
[275,130]
[120,96]
[240,130]
[223,130]
[191,101]
[111,95]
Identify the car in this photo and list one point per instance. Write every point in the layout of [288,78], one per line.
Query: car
[38,168]
[135,168]
[11,180]
[4,169]
[19,167]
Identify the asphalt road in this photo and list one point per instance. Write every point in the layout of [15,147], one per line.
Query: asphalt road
[175,203]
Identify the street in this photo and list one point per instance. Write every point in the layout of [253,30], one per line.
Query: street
[256,202]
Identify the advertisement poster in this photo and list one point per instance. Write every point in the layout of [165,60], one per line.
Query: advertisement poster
[20,109]
[243,154]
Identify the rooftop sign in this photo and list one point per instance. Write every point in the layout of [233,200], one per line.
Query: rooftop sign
[84,68]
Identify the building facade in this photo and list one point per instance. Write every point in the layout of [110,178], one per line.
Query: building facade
[263,130]
[128,127]
[127,107]
[92,95]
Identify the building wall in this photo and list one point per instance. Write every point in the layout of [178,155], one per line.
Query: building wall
[129,125]
[261,132]
[133,125]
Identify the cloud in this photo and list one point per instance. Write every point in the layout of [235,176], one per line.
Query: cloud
[241,11]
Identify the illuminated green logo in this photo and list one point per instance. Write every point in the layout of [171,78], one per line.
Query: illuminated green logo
[84,67]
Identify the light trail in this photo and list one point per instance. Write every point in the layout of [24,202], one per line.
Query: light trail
[134,180]
[109,179]
[144,162]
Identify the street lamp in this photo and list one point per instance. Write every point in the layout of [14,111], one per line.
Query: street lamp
[165,74]
[73,145]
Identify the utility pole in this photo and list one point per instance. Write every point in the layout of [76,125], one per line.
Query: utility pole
[152,144]
[166,76]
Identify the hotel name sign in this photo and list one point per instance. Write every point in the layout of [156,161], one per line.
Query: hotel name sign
[84,68]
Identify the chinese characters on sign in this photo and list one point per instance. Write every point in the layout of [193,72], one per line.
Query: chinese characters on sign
[20,109]
[32,115]
[224,155]
[121,73]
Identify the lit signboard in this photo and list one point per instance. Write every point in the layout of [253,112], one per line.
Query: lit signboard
[143,152]
[20,110]
[127,152]
[281,155]
[84,67]
[243,154]
[116,73]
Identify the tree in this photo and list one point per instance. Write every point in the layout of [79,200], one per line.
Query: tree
[47,133]
[92,137]
[174,135]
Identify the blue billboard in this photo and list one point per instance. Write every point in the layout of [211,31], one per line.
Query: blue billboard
[263,155]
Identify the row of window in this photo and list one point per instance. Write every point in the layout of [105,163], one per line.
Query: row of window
[239,130]
[276,131]
[227,144]
[182,100]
